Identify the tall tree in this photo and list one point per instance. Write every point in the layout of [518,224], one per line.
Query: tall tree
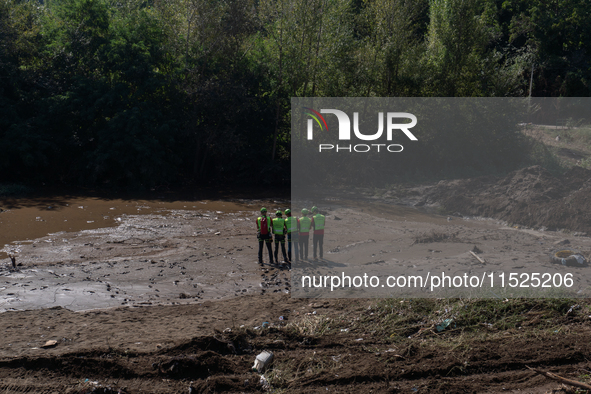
[558,34]
[389,58]
[458,38]
[307,46]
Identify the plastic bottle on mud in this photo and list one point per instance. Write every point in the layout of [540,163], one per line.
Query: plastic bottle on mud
[263,361]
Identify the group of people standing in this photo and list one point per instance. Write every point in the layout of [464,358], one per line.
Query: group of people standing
[297,231]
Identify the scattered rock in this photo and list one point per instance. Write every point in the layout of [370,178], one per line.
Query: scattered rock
[562,242]
[49,344]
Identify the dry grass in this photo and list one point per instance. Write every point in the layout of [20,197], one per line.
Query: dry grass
[311,325]
[288,373]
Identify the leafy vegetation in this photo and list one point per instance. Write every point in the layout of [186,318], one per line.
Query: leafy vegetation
[160,93]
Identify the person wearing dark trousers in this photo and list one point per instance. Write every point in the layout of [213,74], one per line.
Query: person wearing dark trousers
[264,230]
[318,221]
[305,224]
[279,234]
[292,225]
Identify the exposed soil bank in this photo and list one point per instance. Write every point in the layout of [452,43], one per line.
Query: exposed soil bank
[530,197]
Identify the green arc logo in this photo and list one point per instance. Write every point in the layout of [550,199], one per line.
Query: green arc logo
[315,115]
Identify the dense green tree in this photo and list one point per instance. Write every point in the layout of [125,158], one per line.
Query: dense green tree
[110,107]
[458,37]
[24,148]
[558,33]
[307,48]
[390,54]
[9,94]
[145,93]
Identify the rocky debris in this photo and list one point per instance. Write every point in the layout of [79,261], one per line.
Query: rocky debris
[49,344]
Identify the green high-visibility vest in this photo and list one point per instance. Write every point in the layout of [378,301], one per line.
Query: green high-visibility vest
[292,224]
[278,224]
[319,222]
[305,223]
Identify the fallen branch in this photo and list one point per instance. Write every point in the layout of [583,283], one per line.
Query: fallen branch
[478,258]
[560,379]
[13,260]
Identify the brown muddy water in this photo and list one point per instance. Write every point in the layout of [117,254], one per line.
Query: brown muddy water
[24,220]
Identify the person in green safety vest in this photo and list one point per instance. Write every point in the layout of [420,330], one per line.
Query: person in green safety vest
[318,221]
[292,225]
[264,235]
[279,234]
[304,234]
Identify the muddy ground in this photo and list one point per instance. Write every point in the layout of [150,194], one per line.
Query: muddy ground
[169,349]
[169,298]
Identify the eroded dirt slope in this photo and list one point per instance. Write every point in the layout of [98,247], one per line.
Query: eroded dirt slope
[530,197]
